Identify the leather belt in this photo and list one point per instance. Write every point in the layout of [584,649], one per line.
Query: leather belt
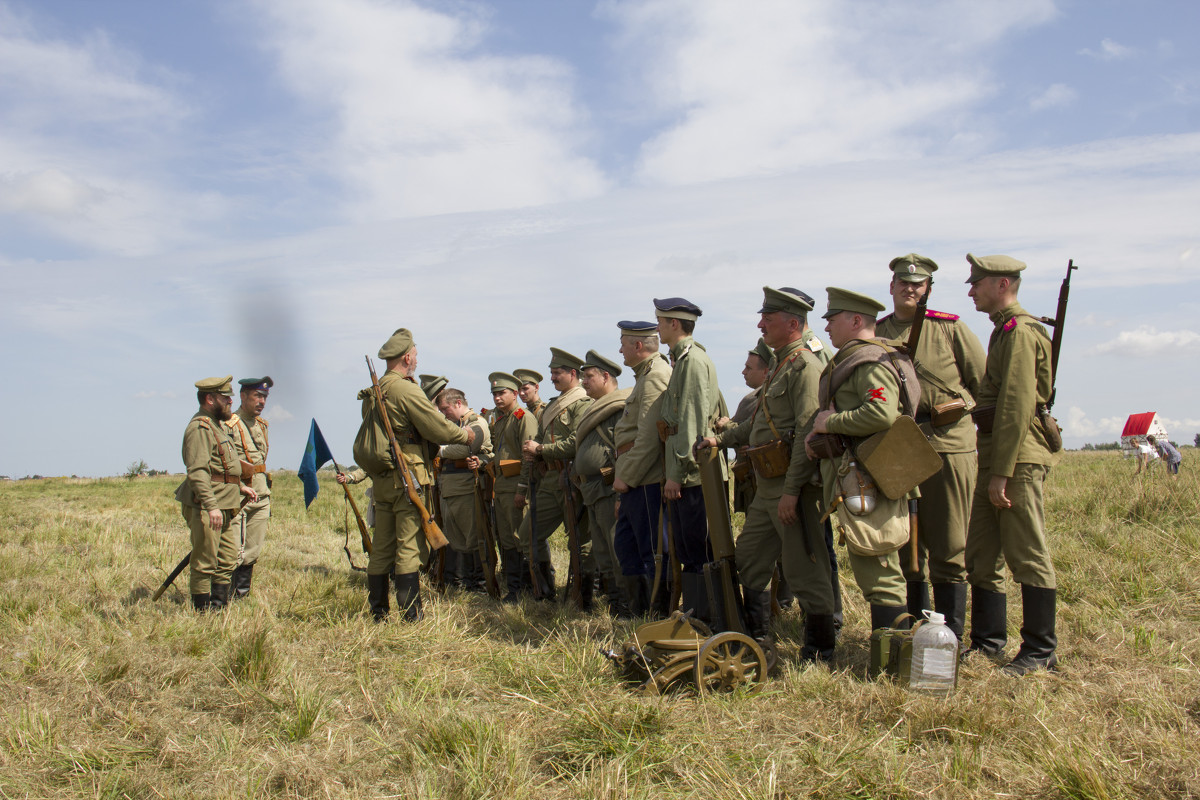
[224,477]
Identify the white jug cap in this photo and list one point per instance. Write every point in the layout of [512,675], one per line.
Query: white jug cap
[934,617]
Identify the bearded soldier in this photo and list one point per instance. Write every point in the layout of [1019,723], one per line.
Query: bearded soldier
[513,427]
[1008,522]
[784,517]
[864,389]
[639,474]
[249,434]
[456,480]
[949,361]
[209,495]
[548,456]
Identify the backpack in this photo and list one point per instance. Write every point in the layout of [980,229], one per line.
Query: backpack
[371,449]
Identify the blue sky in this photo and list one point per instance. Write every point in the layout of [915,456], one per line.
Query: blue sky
[272,186]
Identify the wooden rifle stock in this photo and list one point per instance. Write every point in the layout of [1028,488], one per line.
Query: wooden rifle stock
[433,534]
[362,524]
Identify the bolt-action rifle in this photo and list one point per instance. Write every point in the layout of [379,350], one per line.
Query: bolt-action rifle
[433,534]
[914,338]
[1058,323]
[485,522]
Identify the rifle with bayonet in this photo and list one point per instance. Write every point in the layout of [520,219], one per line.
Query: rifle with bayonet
[363,533]
[914,338]
[402,473]
[1058,323]
[485,523]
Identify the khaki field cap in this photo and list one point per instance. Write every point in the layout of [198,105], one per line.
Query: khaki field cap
[846,300]
[528,376]
[217,385]
[913,268]
[762,351]
[789,301]
[432,384]
[598,361]
[502,380]
[564,360]
[400,343]
[988,266]
[257,384]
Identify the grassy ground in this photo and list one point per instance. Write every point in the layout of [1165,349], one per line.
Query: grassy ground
[294,693]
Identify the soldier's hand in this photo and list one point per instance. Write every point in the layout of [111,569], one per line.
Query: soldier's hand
[996,487]
[705,443]
[519,501]
[672,490]
[342,478]
[246,490]
[530,448]
[620,486]
[788,505]
[808,448]
[819,421]
[216,518]
[473,462]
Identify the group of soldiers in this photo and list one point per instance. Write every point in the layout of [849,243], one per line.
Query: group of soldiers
[618,469]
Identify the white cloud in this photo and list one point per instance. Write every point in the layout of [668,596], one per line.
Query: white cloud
[278,413]
[1056,96]
[425,121]
[1076,425]
[1109,51]
[761,88]
[1149,341]
[154,395]
[1181,429]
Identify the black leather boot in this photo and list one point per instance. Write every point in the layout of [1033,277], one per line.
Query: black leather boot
[918,598]
[885,617]
[757,607]
[620,597]
[1038,640]
[510,565]
[200,602]
[587,592]
[219,597]
[240,581]
[819,638]
[639,591]
[950,600]
[691,596]
[473,573]
[408,596]
[784,594]
[989,622]
[377,596]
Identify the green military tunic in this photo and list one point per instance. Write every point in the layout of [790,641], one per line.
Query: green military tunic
[595,450]
[788,403]
[249,434]
[950,362]
[691,403]
[636,434]
[743,487]
[814,345]
[399,544]
[456,482]
[509,433]
[536,408]
[556,434]
[868,401]
[213,473]
[1017,380]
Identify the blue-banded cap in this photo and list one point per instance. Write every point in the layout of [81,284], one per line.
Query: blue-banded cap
[262,384]
[788,300]
[676,308]
[637,327]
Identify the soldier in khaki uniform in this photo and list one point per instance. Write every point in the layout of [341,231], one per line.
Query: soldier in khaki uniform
[399,546]
[691,405]
[547,456]
[639,475]
[784,517]
[755,373]
[593,468]
[1008,523]
[249,432]
[869,387]
[530,391]
[949,362]
[513,427]
[456,480]
[210,494]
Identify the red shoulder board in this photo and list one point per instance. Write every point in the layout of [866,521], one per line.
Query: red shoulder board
[519,413]
[1012,323]
[946,315]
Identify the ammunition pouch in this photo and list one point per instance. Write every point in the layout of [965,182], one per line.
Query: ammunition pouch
[770,459]
[828,445]
[741,468]
[947,413]
[607,474]
[984,417]
[510,467]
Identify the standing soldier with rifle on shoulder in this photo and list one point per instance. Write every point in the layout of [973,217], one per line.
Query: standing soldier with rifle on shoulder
[949,361]
[398,419]
[249,433]
[1017,443]
[208,496]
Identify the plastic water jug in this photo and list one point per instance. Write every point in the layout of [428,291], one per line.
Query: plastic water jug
[934,657]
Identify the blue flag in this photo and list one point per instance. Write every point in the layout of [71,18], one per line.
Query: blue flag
[316,454]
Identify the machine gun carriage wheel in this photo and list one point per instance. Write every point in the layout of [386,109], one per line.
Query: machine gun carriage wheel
[728,660]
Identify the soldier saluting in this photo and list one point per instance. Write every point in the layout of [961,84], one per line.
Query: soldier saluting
[209,495]
[1007,517]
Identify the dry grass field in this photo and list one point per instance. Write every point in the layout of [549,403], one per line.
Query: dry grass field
[295,693]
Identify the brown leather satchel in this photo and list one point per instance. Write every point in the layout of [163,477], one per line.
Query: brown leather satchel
[510,467]
[984,417]
[827,445]
[741,467]
[947,413]
[770,459]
